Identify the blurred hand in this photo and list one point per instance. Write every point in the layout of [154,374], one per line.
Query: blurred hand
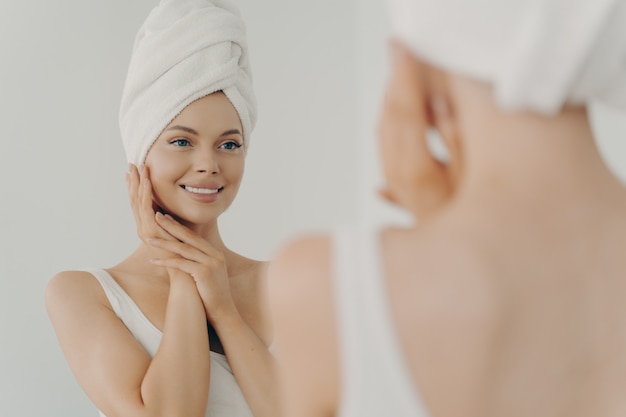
[416,180]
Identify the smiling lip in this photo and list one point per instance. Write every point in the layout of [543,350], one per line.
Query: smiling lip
[204,194]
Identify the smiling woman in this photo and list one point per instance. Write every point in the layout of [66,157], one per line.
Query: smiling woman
[201,142]
[65,204]
[179,327]
[319,70]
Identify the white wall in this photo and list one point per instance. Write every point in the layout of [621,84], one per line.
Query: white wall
[64,203]
[301,164]
[61,160]
[372,30]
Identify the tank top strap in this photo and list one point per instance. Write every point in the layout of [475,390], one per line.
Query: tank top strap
[146,333]
[225,397]
[115,294]
[374,375]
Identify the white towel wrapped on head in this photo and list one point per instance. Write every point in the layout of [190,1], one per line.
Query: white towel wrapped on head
[537,54]
[185,50]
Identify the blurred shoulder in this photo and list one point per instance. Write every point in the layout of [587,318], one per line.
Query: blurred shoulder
[300,260]
[302,305]
[309,249]
[300,272]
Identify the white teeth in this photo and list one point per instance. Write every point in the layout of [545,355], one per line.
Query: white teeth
[200,190]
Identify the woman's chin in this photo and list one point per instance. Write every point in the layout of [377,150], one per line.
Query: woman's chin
[194,220]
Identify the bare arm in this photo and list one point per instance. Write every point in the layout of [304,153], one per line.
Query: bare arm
[249,358]
[252,364]
[115,371]
[111,366]
[177,380]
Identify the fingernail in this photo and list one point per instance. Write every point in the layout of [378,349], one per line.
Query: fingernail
[130,167]
[169,217]
[159,215]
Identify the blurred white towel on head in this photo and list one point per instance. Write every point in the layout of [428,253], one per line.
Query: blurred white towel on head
[185,50]
[537,54]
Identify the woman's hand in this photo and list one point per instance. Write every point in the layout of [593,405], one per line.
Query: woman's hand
[144,208]
[416,180]
[198,258]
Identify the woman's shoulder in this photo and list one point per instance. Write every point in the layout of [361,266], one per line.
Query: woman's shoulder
[302,311]
[72,289]
[295,251]
[68,282]
[245,269]
[302,258]
[299,276]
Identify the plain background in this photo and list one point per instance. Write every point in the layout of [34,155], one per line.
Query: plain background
[319,71]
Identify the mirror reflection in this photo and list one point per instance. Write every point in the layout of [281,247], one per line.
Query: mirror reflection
[62,88]
[318,71]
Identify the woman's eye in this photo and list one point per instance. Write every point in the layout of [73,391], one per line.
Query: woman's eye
[231,145]
[180,142]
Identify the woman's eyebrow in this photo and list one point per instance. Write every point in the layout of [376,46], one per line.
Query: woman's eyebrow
[231,132]
[193,132]
[183,128]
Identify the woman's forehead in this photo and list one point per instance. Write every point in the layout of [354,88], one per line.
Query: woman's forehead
[209,114]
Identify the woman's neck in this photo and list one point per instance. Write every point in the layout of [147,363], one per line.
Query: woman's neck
[209,232]
[527,157]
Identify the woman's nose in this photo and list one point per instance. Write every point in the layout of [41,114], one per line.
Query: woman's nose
[206,162]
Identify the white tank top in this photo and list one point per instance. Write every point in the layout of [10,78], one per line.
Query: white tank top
[225,396]
[375,377]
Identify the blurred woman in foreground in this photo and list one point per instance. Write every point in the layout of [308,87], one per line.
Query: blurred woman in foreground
[507,296]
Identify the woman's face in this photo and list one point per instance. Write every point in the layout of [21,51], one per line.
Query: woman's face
[197,163]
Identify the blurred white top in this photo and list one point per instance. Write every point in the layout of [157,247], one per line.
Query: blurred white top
[375,377]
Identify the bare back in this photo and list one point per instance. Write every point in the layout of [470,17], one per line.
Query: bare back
[511,318]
